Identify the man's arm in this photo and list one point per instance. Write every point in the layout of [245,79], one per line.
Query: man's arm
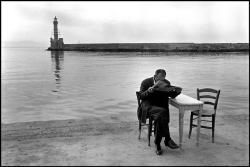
[169,84]
[145,90]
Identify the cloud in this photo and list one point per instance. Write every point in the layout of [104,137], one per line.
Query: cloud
[127,21]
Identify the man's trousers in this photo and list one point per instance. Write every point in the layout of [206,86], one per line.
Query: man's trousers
[161,120]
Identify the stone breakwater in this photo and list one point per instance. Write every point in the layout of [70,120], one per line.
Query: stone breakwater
[158,47]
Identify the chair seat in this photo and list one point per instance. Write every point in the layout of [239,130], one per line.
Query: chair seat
[210,98]
[205,112]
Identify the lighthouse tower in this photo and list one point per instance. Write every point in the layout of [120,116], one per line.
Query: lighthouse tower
[56,43]
[55,22]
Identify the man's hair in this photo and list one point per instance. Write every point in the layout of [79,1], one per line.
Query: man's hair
[160,71]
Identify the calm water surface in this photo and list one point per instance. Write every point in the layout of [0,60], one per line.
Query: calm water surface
[42,85]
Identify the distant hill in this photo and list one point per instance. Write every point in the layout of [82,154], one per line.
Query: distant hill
[23,44]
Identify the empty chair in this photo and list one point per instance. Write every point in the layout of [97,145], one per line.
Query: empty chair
[149,120]
[210,98]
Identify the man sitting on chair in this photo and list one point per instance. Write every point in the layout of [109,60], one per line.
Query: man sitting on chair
[155,104]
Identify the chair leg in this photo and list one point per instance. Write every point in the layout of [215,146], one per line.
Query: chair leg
[149,130]
[139,130]
[190,126]
[154,127]
[213,127]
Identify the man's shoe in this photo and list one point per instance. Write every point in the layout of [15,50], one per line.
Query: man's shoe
[158,149]
[171,144]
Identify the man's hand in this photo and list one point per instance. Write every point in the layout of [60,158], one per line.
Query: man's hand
[160,84]
[157,84]
[151,89]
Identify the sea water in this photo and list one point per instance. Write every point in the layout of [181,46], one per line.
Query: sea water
[40,85]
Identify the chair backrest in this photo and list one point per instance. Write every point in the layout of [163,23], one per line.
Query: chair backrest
[205,93]
[138,98]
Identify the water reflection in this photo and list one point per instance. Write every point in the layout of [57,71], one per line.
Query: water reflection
[57,58]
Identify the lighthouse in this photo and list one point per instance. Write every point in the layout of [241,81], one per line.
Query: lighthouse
[56,43]
[55,22]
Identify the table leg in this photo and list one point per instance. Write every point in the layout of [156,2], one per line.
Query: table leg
[181,115]
[199,126]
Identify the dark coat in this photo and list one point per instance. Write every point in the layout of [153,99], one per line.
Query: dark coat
[150,99]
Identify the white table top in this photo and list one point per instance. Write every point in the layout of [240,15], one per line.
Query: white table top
[186,100]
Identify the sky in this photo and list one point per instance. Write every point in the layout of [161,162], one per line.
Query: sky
[125,22]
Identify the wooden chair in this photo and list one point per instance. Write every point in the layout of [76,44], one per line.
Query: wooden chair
[211,100]
[149,120]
